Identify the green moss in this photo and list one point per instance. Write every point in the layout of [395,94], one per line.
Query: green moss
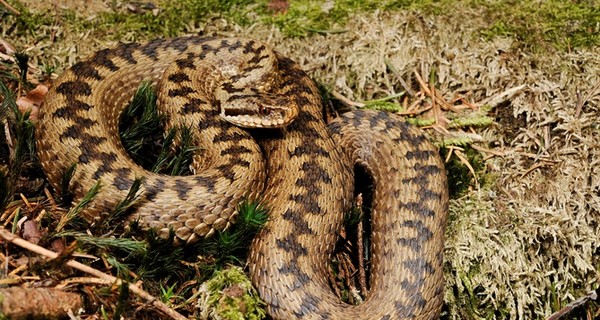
[172,18]
[384,106]
[559,24]
[304,17]
[460,177]
[229,295]
[231,246]
[471,303]
[312,16]
[27,23]
[419,122]
[538,24]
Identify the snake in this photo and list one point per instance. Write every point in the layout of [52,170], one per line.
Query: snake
[258,121]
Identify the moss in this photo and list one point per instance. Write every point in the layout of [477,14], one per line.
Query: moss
[460,177]
[312,16]
[559,24]
[172,18]
[536,24]
[304,17]
[384,105]
[27,23]
[229,295]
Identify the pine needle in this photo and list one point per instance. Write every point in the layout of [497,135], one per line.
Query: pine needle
[75,211]
[129,246]
[123,206]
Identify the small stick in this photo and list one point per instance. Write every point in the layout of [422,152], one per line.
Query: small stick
[27,203]
[592,295]
[464,161]
[443,102]
[333,281]
[533,168]
[346,101]
[501,97]
[362,275]
[11,216]
[10,8]
[395,71]
[414,112]
[14,239]
[422,83]
[486,150]
[83,280]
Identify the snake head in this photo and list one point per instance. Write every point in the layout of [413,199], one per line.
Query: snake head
[257,110]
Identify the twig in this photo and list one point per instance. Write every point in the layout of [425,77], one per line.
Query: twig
[464,161]
[435,97]
[533,168]
[592,295]
[414,112]
[12,238]
[443,101]
[83,280]
[500,97]
[422,83]
[493,153]
[395,71]
[362,275]
[537,157]
[11,216]
[10,8]
[10,281]
[346,101]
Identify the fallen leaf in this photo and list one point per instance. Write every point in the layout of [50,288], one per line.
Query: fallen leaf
[32,101]
[278,6]
[31,232]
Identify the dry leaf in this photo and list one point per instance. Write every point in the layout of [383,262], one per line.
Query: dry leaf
[31,232]
[32,101]
[278,6]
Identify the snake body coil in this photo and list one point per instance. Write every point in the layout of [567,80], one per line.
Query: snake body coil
[302,170]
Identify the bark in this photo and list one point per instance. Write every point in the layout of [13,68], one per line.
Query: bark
[38,303]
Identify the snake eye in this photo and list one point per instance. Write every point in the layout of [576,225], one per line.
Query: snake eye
[262,110]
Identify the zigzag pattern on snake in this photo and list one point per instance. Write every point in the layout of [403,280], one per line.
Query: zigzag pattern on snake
[300,168]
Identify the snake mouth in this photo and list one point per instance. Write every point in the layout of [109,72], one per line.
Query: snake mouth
[260,117]
[254,121]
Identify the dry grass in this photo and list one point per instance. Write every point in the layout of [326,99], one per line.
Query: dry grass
[528,240]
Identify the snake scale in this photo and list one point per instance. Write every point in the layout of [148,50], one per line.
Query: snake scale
[301,168]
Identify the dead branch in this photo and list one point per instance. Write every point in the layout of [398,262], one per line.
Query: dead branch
[14,239]
[38,303]
[591,296]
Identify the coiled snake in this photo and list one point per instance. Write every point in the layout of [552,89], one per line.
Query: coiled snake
[301,169]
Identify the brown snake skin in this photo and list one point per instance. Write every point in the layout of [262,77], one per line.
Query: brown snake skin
[302,171]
